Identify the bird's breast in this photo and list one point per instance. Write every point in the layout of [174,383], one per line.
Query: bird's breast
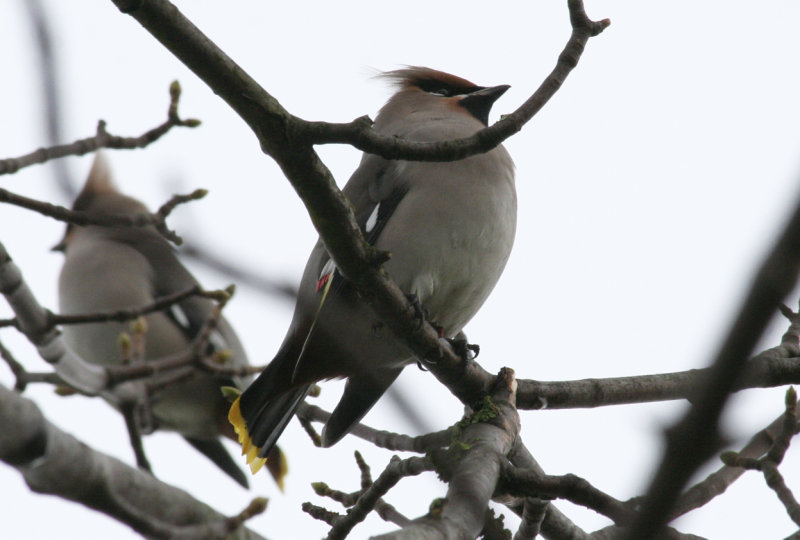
[451,236]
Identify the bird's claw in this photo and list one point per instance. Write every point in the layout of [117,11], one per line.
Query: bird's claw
[419,310]
[463,348]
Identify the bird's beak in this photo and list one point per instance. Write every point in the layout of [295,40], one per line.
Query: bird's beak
[61,246]
[64,242]
[492,93]
[479,103]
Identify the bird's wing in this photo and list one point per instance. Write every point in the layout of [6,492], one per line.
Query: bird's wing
[169,276]
[375,189]
[263,410]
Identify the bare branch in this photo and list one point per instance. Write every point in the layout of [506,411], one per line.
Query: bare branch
[533,514]
[131,313]
[128,411]
[320,513]
[614,533]
[766,370]
[717,482]
[384,439]
[251,101]
[386,511]
[22,376]
[77,217]
[577,490]
[394,472]
[768,465]
[103,139]
[555,525]
[692,441]
[54,462]
[359,132]
[34,322]
[471,467]
[214,530]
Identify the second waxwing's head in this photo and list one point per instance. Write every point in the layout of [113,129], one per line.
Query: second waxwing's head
[425,93]
[100,196]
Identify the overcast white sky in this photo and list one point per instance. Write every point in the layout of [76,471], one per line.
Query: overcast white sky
[648,189]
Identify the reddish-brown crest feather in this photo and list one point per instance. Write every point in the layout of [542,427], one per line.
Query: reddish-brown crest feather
[417,76]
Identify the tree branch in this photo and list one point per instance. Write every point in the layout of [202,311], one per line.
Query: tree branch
[384,439]
[694,439]
[359,132]
[55,463]
[370,497]
[533,514]
[717,482]
[34,322]
[77,217]
[471,467]
[103,139]
[768,464]
[763,371]
[128,314]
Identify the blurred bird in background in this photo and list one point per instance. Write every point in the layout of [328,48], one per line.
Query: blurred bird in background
[449,228]
[112,268]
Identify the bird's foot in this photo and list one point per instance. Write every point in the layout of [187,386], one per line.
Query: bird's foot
[419,310]
[463,348]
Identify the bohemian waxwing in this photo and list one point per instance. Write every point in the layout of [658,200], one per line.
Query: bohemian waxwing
[110,268]
[449,228]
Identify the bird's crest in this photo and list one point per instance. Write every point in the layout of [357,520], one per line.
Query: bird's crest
[100,178]
[429,80]
[100,193]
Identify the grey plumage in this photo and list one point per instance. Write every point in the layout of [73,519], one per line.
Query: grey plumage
[110,268]
[449,228]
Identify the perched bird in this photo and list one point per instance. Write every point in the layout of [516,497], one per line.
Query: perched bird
[110,268]
[449,228]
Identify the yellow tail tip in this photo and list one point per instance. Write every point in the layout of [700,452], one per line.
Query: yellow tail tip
[248,448]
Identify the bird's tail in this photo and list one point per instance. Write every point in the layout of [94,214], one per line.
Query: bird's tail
[261,413]
[216,452]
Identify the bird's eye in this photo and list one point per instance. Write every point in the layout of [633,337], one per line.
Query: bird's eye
[444,92]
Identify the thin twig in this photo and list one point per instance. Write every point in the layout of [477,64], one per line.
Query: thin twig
[717,482]
[359,132]
[577,490]
[383,439]
[103,139]
[768,464]
[77,217]
[24,377]
[128,411]
[394,472]
[128,314]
